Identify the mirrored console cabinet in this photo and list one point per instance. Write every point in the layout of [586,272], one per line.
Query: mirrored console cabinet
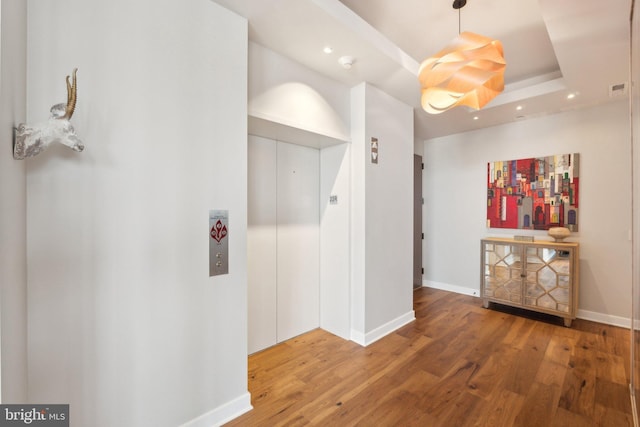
[540,276]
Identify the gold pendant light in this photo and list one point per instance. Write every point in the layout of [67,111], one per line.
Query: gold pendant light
[468,71]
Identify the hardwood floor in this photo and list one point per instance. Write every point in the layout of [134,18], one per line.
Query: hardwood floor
[457,365]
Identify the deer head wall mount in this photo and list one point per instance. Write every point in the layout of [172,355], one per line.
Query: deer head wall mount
[32,140]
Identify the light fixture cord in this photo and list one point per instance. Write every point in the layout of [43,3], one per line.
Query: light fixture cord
[459,4]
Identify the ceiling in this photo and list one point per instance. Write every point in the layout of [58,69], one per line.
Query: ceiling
[552,48]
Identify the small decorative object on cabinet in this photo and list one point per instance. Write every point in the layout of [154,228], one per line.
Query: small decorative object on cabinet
[540,276]
[559,233]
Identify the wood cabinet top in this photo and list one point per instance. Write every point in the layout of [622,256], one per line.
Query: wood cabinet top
[545,243]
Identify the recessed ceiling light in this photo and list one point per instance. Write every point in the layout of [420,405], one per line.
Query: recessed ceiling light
[476,117]
[571,96]
[519,107]
[327,49]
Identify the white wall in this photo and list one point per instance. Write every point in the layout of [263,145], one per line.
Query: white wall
[285,92]
[13,205]
[359,152]
[335,300]
[381,215]
[454,213]
[124,322]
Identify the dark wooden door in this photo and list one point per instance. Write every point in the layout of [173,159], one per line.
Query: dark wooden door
[417,221]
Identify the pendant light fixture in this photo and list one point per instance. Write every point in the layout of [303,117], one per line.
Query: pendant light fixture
[468,71]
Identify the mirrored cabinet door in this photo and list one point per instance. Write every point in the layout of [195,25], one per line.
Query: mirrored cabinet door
[502,272]
[548,278]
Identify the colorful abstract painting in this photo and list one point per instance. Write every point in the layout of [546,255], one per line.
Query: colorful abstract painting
[536,193]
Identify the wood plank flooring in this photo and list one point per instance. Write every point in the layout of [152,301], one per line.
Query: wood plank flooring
[457,365]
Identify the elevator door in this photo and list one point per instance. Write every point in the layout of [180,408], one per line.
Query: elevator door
[283,241]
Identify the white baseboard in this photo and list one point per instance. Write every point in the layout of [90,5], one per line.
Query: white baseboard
[222,414]
[593,316]
[373,336]
[607,319]
[451,288]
